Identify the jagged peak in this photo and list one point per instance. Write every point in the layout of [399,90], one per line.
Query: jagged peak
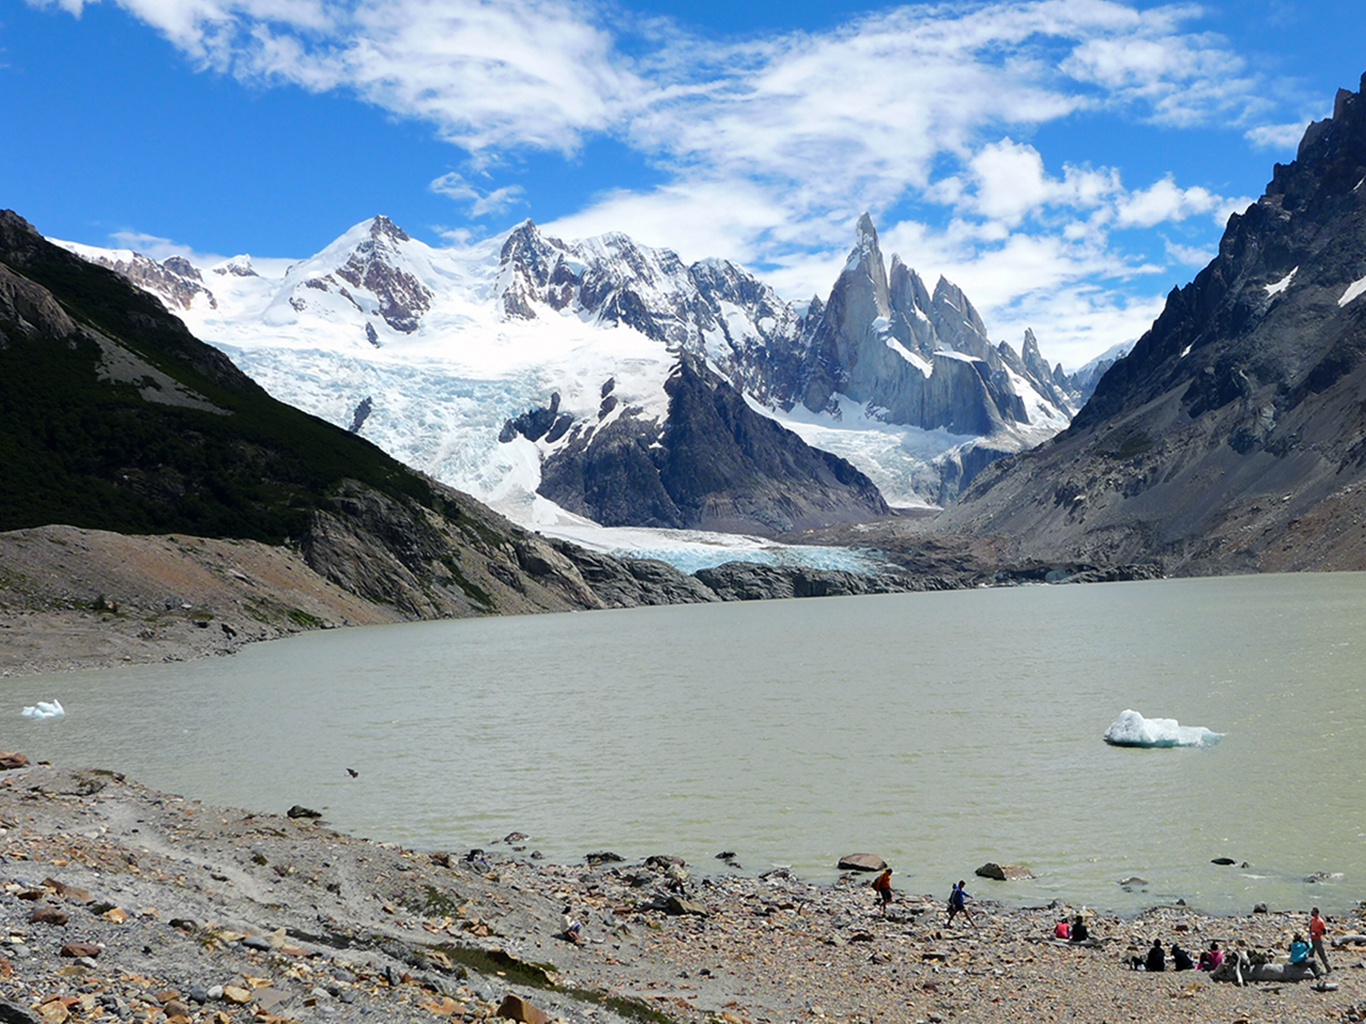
[1347,117]
[867,234]
[382,227]
[865,251]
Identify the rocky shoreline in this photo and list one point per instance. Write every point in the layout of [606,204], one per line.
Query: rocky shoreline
[119,903]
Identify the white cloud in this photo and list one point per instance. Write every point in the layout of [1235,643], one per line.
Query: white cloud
[481,203]
[1164,201]
[772,147]
[1285,137]
[1188,255]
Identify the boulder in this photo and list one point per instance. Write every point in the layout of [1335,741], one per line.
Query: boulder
[48,915]
[1004,872]
[603,857]
[677,905]
[861,862]
[77,949]
[300,811]
[514,1007]
[9,759]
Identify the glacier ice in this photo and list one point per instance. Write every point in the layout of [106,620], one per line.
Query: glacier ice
[1131,729]
[44,709]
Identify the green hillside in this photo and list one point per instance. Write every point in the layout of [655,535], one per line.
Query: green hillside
[92,436]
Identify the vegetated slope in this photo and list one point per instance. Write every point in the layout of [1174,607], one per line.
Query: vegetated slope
[1233,436]
[113,417]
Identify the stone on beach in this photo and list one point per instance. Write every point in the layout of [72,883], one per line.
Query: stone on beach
[861,862]
[1004,872]
[514,1007]
[10,760]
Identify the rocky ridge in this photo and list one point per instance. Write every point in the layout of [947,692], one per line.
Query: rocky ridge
[1230,438]
[712,463]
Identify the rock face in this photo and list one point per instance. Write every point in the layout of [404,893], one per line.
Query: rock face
[401,297]
[713,463]
[886,342]
[1230,438]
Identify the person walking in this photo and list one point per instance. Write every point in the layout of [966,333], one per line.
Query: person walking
[958,904]
[1317,928]
[882,885]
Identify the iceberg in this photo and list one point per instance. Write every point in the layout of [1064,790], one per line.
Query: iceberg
[1131,729]
[45,709]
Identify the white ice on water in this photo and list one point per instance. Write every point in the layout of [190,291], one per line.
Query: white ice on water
[44,709]
[1131,729]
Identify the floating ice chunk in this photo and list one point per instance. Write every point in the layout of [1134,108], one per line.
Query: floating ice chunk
[1131,729]
[45,709]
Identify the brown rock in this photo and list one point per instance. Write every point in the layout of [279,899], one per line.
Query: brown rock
[75,949]
[175,1008]
[861,862]
[115,914]
[73,893]
[271,999]
[48,915]
[678,905]
[236,994]
[10,759]
[514,1007]
[1004,872]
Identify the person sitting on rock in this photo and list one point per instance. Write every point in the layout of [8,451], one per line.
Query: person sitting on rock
[1181,960]
[1211,958]
[1299,955]
[1080,933]
[573,928]
[1062,930]
[882,885]
[1157,960]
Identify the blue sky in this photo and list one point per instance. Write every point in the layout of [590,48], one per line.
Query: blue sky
[1067,163]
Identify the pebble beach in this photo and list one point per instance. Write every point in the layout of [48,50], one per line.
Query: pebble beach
[119,903]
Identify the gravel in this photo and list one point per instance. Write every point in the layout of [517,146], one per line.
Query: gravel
[203,913]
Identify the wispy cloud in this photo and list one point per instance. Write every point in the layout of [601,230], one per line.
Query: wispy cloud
[480,202]
[159,248]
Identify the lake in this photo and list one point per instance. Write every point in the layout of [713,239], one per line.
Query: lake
[939,731]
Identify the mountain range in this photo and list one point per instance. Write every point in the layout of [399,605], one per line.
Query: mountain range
[606,381]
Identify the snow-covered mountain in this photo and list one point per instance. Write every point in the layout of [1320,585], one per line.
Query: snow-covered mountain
[526,366]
